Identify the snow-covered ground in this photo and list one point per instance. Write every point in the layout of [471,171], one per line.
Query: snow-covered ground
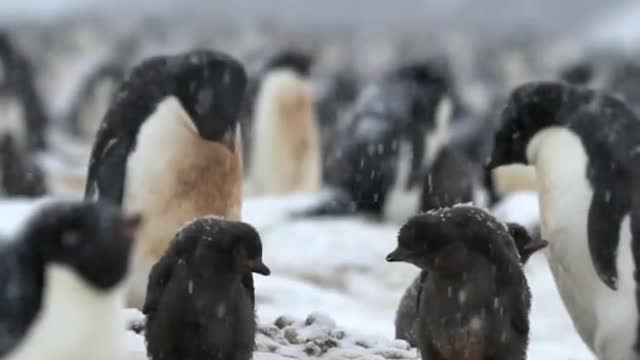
[336,267]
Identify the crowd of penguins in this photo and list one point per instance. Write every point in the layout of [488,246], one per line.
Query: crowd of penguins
[178,140]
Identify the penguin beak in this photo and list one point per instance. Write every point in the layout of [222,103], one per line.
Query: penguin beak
[535,245]
[258,267]
[399,254]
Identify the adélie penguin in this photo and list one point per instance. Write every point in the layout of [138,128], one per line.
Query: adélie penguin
[197,305]
[584,146]
[474,303]
[68,265]
[406,321]
[169,148]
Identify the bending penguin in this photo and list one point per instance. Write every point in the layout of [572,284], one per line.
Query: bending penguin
[68,265]
[16,77]
[394,159]
[93,99]
[286,145]
[169,148]
[583,145]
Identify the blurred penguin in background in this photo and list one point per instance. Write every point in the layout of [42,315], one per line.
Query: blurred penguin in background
[93,99]
[17,78]
[286,155]
[169,148]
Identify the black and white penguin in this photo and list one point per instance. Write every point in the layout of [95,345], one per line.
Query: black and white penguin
[394,159]
[20,174]
[17,77]
[475,301]
[68,265]
[584,146]
[406,322]
[286,154]
[169,148]
[93,99]
[197,305]
[299,63]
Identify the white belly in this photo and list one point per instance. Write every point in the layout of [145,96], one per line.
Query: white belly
[605,319]
[76,322]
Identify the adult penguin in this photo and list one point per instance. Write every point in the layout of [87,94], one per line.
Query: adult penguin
[169,148]
[584,145]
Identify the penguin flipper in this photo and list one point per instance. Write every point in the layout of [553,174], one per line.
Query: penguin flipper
[107,171]
[423,278]
[158,279]
[247,283]
[604,220]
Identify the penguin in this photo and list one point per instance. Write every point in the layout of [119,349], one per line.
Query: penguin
[475,300]
[291,59]
[286,150]
[394,160]
[20,174]
[93,99]
[17,76]
[407,313]
[583,145]
[68,265]
[169,147]
[197,305]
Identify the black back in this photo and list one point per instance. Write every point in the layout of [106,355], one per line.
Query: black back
[197,306]
[209,85]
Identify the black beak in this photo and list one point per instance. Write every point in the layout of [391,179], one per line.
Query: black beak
[535,245]
[399,254]
[258,267]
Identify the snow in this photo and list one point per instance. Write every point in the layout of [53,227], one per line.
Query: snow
[336,267]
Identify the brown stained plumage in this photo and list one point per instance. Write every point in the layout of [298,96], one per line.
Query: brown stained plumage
[286,149]
[193,178]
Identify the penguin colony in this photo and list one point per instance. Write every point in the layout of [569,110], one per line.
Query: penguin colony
[160,227]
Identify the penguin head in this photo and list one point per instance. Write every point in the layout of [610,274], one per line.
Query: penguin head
[434,242]
[211,87]
[92,239]
[454,240]
[289,59]
[232,246]
[530,108]
[526,244]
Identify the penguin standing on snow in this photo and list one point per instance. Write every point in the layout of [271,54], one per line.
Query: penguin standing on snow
[197,305]
[584,146]
[20,175]
[169,148]
[93,100]
[67,266]
[17,78]
[394,159]
[286,155]
[407,315]
[475,300]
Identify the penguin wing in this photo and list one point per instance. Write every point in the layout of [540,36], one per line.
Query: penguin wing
[520,306]
[158,279]
[247,284]
[107,170]
[423,278]
[608,207]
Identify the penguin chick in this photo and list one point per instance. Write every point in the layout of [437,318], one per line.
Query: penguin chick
[475,300]
[286,150]
[169,148]
[407,314]
[197,306]
[67,266]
